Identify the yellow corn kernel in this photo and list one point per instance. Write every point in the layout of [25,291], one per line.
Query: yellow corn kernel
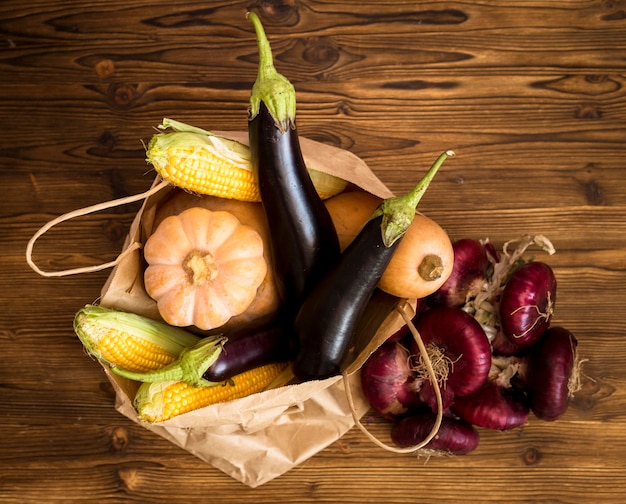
[157,402]
[132,353]
[129,341]
[198,170]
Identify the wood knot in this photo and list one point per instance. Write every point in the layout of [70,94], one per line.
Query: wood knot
[593,391]
[105,68]
[114,231]
[107,139]
[108,389]
[615,13]
[119,439]
[280,12]
[343,447]
[593,192]
[130,478]
[591,189]
[596,78]
[320,51]
[588,111]
[531,456]
[122,95]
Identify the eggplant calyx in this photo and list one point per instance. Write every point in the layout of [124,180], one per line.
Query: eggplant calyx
[398,212]
[271,87]
[191,364]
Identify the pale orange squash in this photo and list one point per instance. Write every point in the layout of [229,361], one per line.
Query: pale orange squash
[250,214]
[204,267]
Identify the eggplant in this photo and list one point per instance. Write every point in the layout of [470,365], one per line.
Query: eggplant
[326,322]
[218,358]
[325,326]
[303,241]
[251,348]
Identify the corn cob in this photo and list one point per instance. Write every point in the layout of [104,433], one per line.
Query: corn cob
[128,340]
[204,163]
[160,401]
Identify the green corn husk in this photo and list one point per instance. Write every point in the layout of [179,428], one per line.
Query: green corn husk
[105,332]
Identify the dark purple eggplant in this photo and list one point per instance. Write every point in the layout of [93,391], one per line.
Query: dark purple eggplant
[218,358]
[326,322]
[324,326]
[251,348]
[304,243]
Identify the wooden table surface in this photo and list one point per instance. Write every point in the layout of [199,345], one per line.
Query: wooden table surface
[530,95]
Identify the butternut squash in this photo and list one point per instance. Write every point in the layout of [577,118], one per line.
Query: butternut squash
[349,211]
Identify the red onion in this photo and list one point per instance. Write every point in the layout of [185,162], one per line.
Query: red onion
[459,351]
[387,381]
[493,406]
[527,303]
[502,345]
[551,373]
[468,273]
[427,394]
[454,436]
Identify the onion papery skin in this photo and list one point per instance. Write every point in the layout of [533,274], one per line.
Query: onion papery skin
[463,342]
[550,367]
[454,436]
[468,273]
[387,381]
[527,303]
[493,407]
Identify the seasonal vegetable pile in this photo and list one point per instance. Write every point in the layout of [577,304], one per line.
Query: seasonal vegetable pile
[495,354]
[262,269]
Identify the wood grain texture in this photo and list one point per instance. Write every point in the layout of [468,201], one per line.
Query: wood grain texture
[529,94]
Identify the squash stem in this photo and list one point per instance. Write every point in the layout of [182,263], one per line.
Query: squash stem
[190,366]
[271,87]
[398,212]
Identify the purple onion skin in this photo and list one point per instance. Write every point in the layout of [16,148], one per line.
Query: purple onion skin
[387,381]
[493,407]
[427,394]
[464,342]
[503,346]
[527,303]
[454,436]
[550,367]
[470,266]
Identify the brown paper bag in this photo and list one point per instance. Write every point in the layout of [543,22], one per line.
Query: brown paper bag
[259,437]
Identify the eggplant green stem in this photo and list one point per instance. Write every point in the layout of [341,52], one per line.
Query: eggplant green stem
[192,363]
[270,87]
[398,212]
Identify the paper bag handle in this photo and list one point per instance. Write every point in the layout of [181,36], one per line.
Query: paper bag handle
[433,378]
[85,211]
